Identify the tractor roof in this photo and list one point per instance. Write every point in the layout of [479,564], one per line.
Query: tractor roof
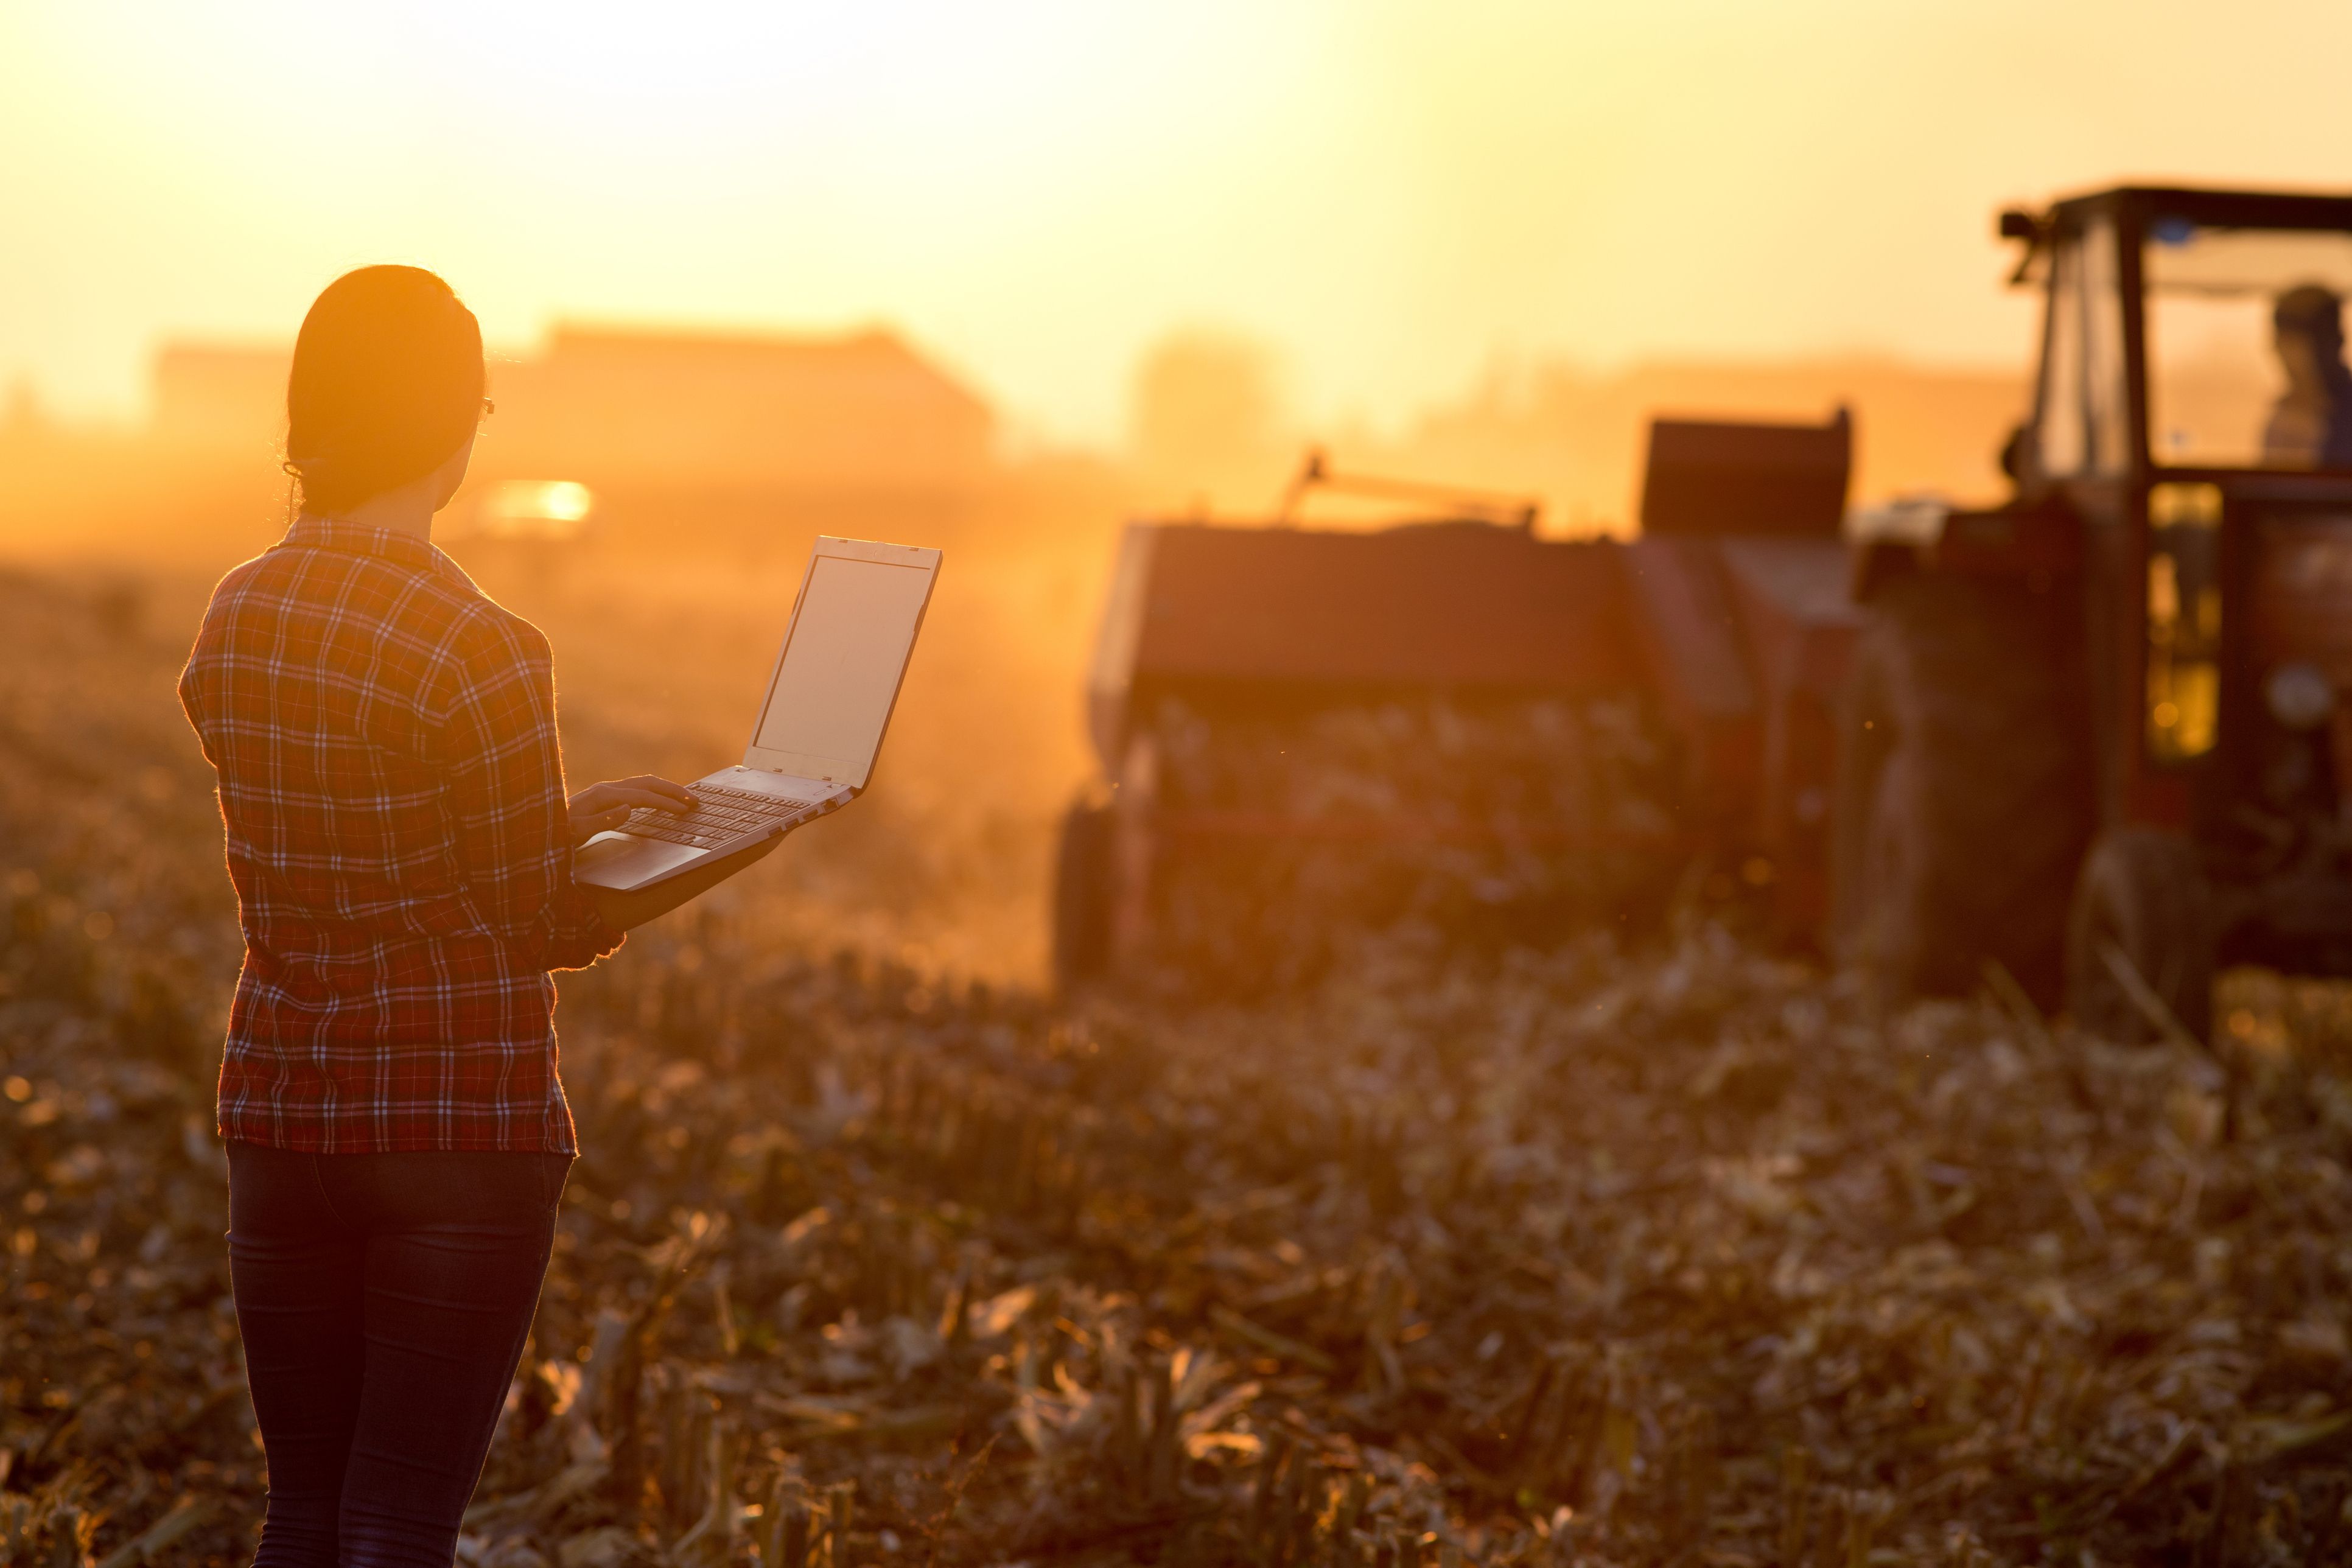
[2235,208]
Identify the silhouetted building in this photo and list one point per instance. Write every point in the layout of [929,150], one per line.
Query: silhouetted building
[861,413]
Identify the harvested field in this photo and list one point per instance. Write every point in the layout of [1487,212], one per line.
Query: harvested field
[1535,1256]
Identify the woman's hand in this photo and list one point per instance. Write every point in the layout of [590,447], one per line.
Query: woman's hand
[602,806]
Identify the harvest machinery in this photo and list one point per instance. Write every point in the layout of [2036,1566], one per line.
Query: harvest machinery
[2089,739]
[1728,616]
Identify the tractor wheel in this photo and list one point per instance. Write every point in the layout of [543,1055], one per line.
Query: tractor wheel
[1084,863]
[1963,790]
[2143,902]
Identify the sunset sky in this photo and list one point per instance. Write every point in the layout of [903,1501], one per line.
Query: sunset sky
[1393,193]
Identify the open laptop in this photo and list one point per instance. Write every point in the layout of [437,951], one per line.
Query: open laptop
[821,724]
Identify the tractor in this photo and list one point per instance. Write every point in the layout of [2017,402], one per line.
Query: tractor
[2085,743]
[2094,735]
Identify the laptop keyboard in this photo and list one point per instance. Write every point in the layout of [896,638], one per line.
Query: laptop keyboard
[720,816]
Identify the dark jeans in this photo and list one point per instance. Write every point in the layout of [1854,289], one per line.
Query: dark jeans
[384,1299]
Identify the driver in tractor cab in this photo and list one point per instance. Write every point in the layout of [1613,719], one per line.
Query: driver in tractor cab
[2311,424]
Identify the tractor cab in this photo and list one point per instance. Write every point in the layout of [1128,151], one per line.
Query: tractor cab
[2178,557]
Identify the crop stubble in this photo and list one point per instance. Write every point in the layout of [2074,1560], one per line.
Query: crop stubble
[1513,1256]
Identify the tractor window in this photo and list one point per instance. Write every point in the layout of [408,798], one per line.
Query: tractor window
[2184,620]
[2083,426]
[2246,364]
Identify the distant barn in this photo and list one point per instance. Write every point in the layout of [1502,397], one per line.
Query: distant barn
[857,414]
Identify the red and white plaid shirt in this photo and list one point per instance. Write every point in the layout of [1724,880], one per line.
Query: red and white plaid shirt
[393,793]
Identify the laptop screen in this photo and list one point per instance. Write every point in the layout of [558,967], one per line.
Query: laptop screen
[841,664]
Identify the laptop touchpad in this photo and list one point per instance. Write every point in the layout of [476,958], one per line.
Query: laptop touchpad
[620,862]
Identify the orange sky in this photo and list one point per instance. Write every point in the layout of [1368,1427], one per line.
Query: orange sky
[1393,192]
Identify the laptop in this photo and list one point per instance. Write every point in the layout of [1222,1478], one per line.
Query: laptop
[819,727]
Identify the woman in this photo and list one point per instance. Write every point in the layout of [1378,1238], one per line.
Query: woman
[392,793]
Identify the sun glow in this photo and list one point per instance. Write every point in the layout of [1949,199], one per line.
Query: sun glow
[1394,196]
[532,508]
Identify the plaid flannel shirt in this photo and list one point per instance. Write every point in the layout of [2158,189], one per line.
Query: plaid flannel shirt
[392,795]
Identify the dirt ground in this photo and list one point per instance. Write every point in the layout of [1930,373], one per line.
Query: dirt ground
[1684,1253]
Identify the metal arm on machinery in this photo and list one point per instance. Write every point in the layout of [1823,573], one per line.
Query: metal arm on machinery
[1492,506]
